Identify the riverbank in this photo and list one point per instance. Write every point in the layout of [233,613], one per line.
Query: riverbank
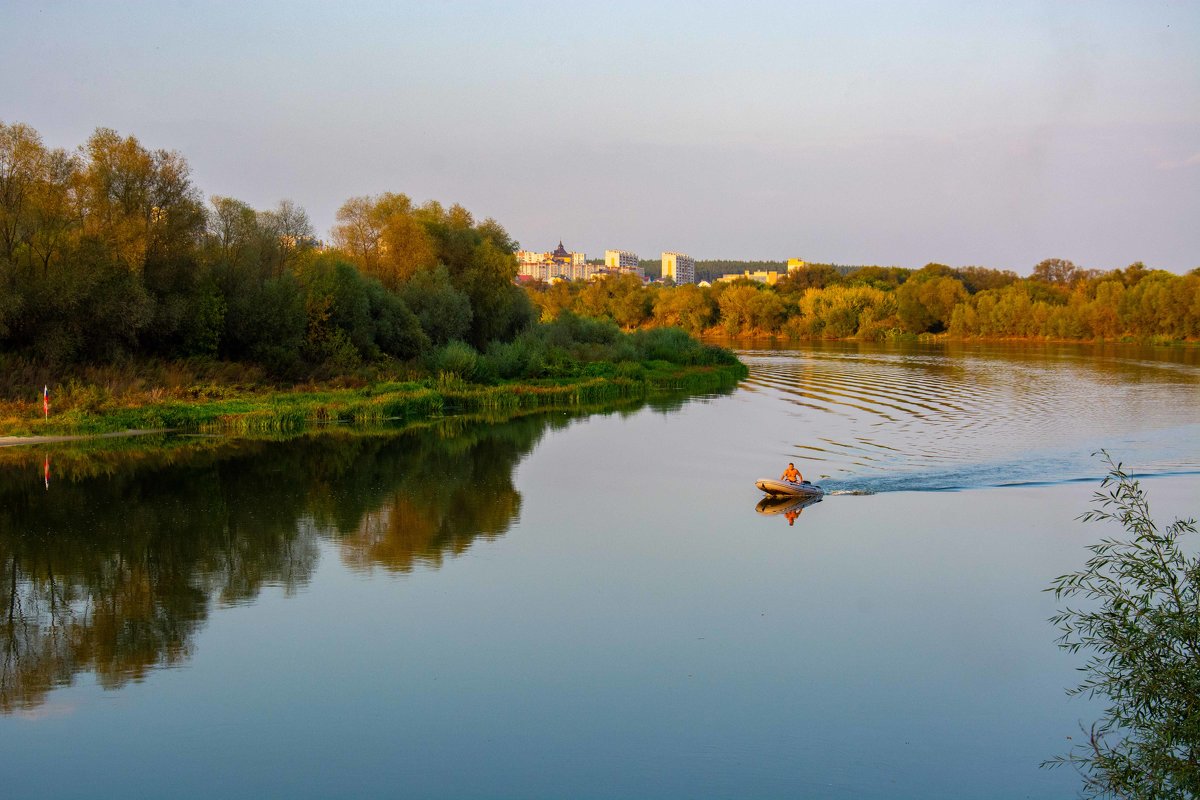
[247,411]
[719,336]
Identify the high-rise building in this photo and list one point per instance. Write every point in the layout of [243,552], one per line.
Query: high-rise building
[622,261]
[678,267]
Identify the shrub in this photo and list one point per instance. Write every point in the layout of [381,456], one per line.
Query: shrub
[668,344]
[1141,626]
[455,358]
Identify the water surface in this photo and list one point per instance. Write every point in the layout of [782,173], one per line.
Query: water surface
[586,606]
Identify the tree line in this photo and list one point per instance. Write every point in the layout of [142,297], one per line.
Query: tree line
[110,251]
[1059,300]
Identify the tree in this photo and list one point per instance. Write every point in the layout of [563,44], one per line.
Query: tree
[233,233]
[737,304]
[810,276]
[443,311]
[1141,626]
[21,160]
[879,277]
[1057,271]
[927,305]
[978,279]
[689,307]
[287,234]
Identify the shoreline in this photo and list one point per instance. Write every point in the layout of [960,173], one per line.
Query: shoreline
[17,441]
[716,335]
[276,411]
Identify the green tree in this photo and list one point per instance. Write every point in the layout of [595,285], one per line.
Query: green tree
[346,308]
[689,307]
[879,277]
[926,305]
[443,311]
[810,276]
[737,304]
[1140,625]
[977,279]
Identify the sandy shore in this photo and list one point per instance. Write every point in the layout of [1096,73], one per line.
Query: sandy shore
[13,441]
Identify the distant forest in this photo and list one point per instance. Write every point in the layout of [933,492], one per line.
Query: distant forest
[1059,301]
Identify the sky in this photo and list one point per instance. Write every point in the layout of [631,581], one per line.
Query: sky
[893,133]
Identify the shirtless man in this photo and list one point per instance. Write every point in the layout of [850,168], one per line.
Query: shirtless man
[791,474]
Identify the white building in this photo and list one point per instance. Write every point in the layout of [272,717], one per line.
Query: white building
[678,267]
[622,261]
[557,263]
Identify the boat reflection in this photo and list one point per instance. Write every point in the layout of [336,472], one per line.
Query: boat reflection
[788,507]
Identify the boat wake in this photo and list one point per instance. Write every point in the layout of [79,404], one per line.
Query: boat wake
[982,476]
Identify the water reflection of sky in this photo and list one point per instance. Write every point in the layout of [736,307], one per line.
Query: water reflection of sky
[574,606]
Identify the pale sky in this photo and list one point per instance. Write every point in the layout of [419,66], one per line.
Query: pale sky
[995,134]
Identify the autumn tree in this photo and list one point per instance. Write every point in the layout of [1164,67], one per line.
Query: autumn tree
[927,305]
[1056,271]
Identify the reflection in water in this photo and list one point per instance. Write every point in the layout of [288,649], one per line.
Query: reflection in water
[789,507]
[116,567]
[950,416]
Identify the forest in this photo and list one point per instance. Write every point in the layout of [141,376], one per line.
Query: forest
[109,254]
[1059,300]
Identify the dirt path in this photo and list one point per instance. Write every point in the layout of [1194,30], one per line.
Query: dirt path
[13,441]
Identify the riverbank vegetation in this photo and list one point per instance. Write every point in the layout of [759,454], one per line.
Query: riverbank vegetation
[142,305]
[569,363]
[1137,617]
[1058,301]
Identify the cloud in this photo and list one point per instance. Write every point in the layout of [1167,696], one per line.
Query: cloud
[1190,161]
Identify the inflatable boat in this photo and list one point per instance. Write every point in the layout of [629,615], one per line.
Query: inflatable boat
[789,488]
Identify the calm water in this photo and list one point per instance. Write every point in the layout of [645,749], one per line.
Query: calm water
[593,606]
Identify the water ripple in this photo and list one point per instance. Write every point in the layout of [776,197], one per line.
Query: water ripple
[928,419]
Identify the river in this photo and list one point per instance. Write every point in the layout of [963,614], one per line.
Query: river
[588,605]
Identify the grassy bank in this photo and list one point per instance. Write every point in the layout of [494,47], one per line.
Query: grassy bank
[256,411]
[569,363]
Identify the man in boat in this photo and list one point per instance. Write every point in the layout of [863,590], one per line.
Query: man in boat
[791,474]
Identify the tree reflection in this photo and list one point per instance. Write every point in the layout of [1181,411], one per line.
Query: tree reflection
[116,567]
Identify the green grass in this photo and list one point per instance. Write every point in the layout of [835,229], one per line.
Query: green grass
[265,411]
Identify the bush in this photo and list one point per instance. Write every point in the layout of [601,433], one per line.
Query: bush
[455,358]
[571,329]
[443,311]
[1142,630]
[669,344]
[520,358]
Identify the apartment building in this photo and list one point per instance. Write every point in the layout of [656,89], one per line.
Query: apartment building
[678,267]
[622,261]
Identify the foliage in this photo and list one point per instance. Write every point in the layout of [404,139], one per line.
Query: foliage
[879,302]
[109,253]
[436,257]
[443,311]
[455,358]
[1141,627]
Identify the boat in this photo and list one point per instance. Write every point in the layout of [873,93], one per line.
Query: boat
[789,488]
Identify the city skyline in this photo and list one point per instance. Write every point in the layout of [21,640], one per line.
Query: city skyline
[866,134]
